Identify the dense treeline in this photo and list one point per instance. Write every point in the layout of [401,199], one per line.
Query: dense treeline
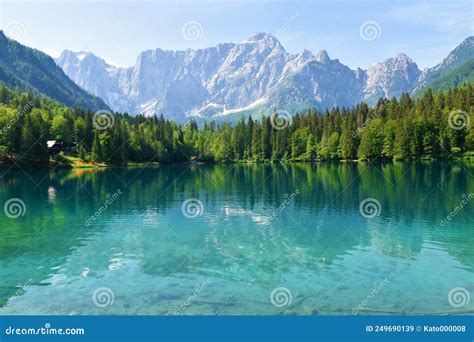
[434,126]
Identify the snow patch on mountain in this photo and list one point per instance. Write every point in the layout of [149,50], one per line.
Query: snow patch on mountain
[249,107]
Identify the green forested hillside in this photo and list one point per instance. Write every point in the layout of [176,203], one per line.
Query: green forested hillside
[455,78]
[33,71]
[454,71]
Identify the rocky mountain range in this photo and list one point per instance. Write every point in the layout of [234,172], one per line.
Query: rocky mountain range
[223,82]
[254,76]
[251,77]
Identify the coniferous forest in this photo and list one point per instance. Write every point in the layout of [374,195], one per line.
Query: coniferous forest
[433,126]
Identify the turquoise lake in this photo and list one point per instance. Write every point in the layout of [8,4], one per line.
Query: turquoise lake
[296,239]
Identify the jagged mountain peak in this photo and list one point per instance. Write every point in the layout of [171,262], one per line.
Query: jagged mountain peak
[306,54]
[391,77]
[400,61]
[263,41]
[323,57]
[74,54]
[261,36]
[81,57]
[402,56]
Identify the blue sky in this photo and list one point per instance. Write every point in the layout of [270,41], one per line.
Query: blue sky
[119,30]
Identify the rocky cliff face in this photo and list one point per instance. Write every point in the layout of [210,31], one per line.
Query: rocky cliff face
[391,78]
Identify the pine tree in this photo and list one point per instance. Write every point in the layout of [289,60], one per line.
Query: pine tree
[97,153]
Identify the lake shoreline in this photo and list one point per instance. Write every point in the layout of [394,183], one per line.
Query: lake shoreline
[88,165]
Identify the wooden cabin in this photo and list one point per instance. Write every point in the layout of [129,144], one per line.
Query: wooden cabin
[56,147]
